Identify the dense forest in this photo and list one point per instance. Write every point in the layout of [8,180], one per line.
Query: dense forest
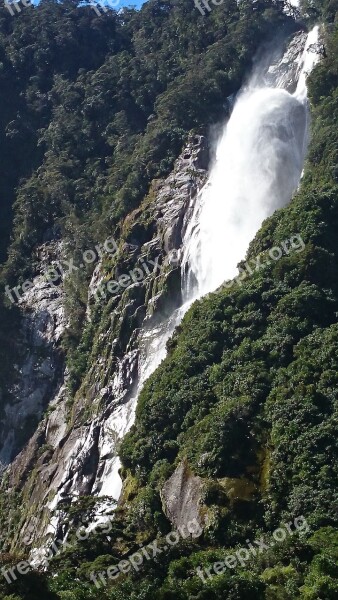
[95,108]
[92,111]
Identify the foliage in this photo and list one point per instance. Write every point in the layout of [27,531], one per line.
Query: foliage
[94,110]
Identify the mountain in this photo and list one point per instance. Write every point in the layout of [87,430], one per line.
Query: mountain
[169,301]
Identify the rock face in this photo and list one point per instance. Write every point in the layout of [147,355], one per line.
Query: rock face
[40,374]
[73,450]
[284,73]
[60,448]
[181,498]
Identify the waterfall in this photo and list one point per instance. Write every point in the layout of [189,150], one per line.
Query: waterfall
[310,58]
[258,166]
[259,161]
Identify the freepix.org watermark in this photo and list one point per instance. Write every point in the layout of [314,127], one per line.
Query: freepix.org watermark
[148,552]
[103,7]
[241,556]
[204,5]
[116,286]
[14,7]
[62,268]
[45,555]
[293,244]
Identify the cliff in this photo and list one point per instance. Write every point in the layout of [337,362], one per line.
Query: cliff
[160,438]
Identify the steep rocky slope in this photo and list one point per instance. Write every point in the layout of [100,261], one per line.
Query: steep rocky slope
[234,431]
[73,451]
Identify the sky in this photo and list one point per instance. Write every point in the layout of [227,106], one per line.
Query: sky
[137,3]
[116,5]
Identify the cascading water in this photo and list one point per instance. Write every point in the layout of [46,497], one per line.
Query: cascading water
[259,161]
[258,166]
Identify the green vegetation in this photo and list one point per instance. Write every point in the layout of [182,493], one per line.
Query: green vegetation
[248,392]
[94,108]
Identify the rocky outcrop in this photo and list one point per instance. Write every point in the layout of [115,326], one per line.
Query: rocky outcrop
[132,298]
[182,498]
[186,497]
[73,451]
[284,73]
[39,374]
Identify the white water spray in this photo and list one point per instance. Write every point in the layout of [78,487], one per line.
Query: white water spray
[258,165]
[259,161]
[310,58]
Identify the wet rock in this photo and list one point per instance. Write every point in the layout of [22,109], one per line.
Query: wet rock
[82,439]
[285,72]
